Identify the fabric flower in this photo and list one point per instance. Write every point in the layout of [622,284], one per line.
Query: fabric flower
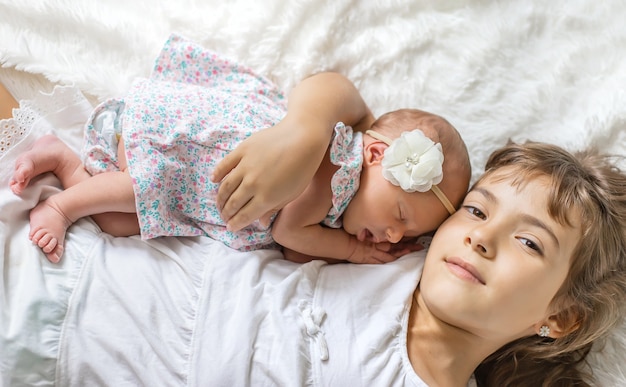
[413,162]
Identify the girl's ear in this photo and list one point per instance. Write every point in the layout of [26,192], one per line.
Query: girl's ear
[373,152]
[558,326]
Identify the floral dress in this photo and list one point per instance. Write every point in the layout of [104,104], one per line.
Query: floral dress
[195,108]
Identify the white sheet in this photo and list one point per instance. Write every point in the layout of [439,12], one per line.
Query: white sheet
[523,69]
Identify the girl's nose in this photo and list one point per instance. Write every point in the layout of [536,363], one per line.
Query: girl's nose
[479,241]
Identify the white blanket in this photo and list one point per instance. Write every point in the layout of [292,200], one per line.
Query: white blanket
[550,71]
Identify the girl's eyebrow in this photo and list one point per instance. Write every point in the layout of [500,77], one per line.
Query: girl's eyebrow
[536,222]
[525,217]
[487,194]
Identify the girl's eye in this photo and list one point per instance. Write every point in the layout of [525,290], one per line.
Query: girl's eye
[531,245]
[475,211]
[400,215]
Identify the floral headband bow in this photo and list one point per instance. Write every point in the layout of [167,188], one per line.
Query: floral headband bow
[414,163]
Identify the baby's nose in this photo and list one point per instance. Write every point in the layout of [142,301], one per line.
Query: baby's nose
[394,235]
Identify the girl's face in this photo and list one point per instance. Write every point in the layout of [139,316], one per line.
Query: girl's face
[494,266]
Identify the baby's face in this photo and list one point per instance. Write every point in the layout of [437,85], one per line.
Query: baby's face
[383,212]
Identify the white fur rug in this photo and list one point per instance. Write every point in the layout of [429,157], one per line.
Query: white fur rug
[550,71]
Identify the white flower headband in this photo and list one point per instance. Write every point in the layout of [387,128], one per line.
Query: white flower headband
[414,163]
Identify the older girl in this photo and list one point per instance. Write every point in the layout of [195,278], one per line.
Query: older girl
[516,286]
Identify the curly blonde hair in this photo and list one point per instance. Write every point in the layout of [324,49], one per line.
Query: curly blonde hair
[592,300]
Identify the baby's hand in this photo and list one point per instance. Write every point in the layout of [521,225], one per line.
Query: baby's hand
[403,248]
[370,252]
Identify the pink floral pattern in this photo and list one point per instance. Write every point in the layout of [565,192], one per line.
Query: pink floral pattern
[346,151]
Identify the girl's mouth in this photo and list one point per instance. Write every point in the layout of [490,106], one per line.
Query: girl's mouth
[464,270]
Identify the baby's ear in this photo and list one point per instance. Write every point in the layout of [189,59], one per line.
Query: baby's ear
[373,152]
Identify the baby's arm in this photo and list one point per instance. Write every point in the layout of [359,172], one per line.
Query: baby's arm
[297,228]
[273,166]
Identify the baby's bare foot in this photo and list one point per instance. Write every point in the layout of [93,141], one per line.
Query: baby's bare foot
[48,226]
[43,157]
[24,171]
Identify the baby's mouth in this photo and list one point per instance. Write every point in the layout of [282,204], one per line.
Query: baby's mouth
[365,235]
[369,236]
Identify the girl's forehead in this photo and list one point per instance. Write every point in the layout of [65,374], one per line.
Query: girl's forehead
[545,193]
[507,187]
[516,177]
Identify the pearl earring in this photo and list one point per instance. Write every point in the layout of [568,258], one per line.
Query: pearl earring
[544,331]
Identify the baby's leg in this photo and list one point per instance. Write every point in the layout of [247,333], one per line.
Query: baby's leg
[118,223]
[48,154]
[102,193]
[83,195]
[47,221]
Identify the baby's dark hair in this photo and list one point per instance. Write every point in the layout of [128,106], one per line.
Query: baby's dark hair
[587,188]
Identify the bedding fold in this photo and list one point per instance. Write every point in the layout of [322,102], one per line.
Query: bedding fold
[34,293]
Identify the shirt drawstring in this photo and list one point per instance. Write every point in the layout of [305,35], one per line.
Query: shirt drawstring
[312,318]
